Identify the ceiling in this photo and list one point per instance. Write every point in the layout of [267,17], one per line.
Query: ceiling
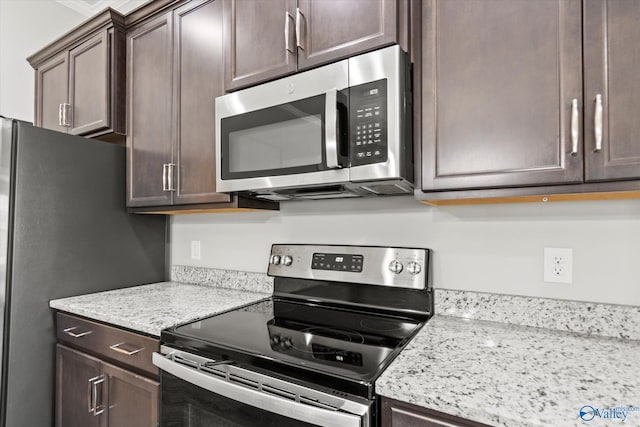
[91,7]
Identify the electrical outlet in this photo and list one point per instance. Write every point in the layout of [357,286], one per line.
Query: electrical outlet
[195,249]
[558,265]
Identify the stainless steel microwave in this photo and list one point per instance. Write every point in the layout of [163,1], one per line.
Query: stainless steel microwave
[341,130]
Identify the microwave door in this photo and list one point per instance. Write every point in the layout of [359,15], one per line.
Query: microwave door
[302,142]
[288,133]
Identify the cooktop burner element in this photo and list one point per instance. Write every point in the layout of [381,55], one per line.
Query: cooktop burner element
[323,325]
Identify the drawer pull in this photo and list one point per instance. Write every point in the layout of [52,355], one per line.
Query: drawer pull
[117,347]
[69,332]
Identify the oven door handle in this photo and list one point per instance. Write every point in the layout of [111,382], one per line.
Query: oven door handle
[330,129]
[256,398]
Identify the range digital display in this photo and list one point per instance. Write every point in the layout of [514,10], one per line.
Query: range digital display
[337,262]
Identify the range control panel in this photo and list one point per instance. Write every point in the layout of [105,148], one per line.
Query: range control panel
[372,265]
[337,262]
[368,123]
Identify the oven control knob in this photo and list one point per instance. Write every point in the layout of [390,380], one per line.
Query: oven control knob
[287,343]
[275,339]
[414,268]
[395,266]
[275,259]
[287,260]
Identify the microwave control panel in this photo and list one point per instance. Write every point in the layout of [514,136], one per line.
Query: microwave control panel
[368,123]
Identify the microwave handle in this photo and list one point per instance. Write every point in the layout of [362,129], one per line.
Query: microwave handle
[330,129]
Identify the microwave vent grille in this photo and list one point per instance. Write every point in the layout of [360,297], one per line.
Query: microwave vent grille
[386,189]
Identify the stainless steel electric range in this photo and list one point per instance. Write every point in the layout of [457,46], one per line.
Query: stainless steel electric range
[307,356]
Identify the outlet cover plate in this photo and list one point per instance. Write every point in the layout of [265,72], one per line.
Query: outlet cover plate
[195,249]
[558,265]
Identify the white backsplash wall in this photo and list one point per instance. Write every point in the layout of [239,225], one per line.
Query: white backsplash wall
[489,248]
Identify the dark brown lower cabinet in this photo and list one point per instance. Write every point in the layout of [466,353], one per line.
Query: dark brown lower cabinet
[401,414]
[91,392]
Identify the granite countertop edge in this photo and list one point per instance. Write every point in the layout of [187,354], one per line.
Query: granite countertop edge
[148,309]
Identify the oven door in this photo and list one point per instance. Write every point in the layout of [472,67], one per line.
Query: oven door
[287,133]
[201,392]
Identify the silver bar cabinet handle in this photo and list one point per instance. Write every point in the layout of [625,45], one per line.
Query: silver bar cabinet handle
[574,127]
[597,123]
[287,19]
[66,112]
[299,18]
[330,125]
[69,332]
[171,167]
[97,409]
[116,347]
[165,169]
[60,118]
[90,394]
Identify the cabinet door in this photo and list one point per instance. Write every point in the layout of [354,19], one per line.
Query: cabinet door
[132,399]
[74,391]
[89,76]
[52,82]
[150,130]
[199,79]
[498,81]
[257,35]
[612,61]
[401,414]
[335,29]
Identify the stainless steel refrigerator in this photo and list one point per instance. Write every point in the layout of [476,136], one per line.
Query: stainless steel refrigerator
[64,231]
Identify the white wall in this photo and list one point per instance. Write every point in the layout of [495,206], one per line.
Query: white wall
[25,27]
[490,248]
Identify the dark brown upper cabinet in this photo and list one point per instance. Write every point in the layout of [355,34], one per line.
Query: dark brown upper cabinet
[80,79]
[499,82]
[266,39]
[501,110]
[174,74]
[612,89]
[149,112]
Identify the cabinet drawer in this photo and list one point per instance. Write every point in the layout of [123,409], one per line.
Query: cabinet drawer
[126,348]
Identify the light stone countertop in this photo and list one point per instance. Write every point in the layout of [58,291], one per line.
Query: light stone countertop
[151,308]
[511,375]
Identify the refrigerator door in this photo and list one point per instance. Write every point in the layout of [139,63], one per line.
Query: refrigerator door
[6,128]
[71,235]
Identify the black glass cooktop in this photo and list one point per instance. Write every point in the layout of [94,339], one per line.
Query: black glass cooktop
[344,343]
